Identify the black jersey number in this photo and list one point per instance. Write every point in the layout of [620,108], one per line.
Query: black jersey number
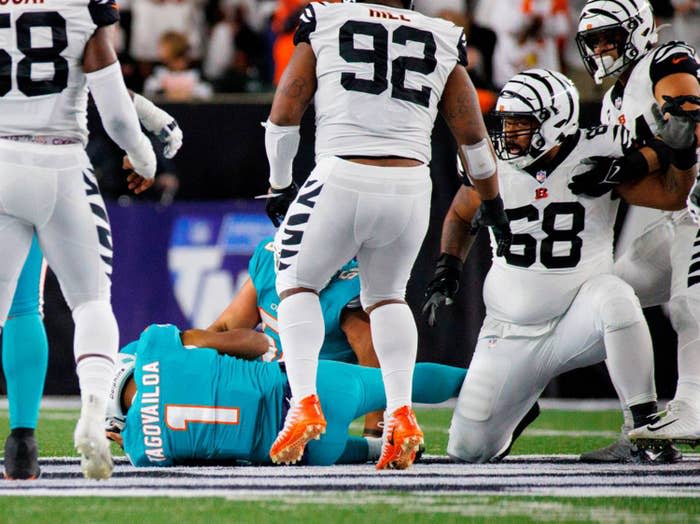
[35,55]
[549,217]
[378,56]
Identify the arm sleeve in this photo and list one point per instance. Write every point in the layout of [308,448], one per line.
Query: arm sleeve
[118,114]
[307,25]
[103,12]
[671,59]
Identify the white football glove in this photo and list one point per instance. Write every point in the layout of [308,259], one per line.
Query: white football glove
[161,124]
[693,203]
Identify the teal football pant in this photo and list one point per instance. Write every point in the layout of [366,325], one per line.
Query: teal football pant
[25,349]
[350,391]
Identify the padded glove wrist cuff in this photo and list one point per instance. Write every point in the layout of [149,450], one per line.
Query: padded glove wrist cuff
[450,262]
[684,159]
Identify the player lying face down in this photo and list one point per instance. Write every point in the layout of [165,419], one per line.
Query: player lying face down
[197,397]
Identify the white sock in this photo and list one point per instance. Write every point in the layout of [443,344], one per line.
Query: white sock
[395,339]
[302,331]
[95,348]
[635,382]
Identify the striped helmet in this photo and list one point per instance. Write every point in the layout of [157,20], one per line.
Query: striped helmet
[407,4]
[549,100]
[626,26]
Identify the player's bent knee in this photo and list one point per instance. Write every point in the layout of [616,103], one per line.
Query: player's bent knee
[618,305]
[469,441]
[684,311]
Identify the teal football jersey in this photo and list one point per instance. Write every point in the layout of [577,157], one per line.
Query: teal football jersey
[342,291]
[194,404]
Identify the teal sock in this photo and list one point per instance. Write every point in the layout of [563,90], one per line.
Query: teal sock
[435,383]
[25,354]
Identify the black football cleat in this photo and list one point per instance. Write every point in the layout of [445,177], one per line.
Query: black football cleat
[21,455]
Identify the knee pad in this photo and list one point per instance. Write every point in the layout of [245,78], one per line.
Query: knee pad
[96,331]
[684,311]
[618,306]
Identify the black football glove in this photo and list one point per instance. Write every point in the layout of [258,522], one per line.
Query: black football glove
[443,287]
[278,202]
[679,130]
[491,213]
[597,175]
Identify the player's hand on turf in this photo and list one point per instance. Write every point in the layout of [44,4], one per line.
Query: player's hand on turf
[491,213]
[278,202]
[136,183]
[693,202]
[171,138]
[675,125]
[596,176]
[443,287]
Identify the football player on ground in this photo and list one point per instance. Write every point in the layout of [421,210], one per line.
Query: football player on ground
[378,74]
[552,303]
[347,334]
[232,407]
[47,186]
[25,348]
[656,97]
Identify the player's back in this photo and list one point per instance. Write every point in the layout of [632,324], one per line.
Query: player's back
[560,240]
[381,72]
[194,404]
[42,85]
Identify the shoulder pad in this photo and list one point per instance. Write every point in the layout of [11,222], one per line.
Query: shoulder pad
[671,58]
[307,25]
[103,12]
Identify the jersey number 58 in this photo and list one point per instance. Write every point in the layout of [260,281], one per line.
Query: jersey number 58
[35,55]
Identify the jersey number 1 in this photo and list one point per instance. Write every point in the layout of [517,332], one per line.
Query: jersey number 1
[178,416]
[35,55]
[378,55]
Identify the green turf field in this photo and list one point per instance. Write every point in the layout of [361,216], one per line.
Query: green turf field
[555,432]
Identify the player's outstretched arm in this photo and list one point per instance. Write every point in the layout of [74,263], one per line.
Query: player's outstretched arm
[241,343]
[242,312]
[106,83]
[455,243]
[294,93]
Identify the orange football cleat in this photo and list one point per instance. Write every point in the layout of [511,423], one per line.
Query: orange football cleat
[401,440]
[304,422]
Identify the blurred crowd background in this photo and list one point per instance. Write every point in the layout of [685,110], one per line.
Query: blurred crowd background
[218,51]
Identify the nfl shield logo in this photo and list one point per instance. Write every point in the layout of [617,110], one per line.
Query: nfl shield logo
[541,176]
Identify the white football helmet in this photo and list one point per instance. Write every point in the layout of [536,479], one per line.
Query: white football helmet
[115,414]
[628,24]
[407,4]
[549,100]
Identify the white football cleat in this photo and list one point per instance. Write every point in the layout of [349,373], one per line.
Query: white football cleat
[680,423]
[93,446]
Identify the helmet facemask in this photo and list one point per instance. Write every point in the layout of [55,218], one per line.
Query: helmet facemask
[597,45]
[515,137]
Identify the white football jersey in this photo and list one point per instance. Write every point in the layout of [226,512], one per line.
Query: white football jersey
[42,85]
[381,72]
[630,105]
[560,240]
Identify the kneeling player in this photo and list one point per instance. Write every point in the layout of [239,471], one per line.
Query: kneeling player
[552,304]
[182,398]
